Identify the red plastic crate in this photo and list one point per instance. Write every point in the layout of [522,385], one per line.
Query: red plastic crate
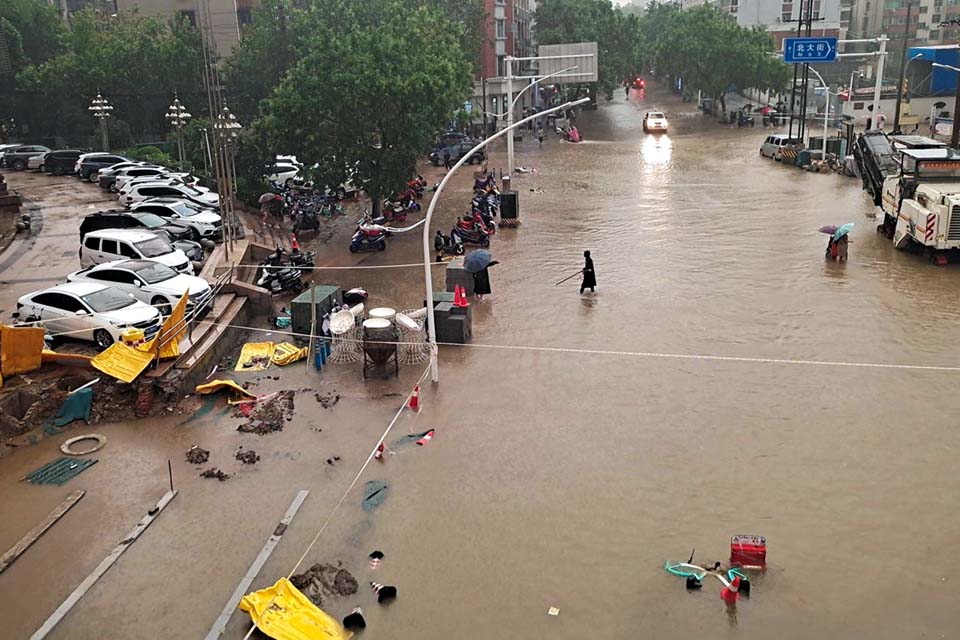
[748,551]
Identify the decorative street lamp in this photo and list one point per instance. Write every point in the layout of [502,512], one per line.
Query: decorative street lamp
[178,116]
[101,109]
[226,130]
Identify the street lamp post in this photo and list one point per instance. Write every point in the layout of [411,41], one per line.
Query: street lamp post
[427,273]
[178,116]
[955,134]
[826,110]
[101,110]
[226,129]
[903,73]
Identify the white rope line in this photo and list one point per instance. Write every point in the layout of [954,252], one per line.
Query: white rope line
[374,266]
[352,484]
[634,354]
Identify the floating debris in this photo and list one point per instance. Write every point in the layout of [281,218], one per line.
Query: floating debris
[268,416]
[213,472]
[327,400]
[323,581]
[196,455]
[247,457]
[374,493]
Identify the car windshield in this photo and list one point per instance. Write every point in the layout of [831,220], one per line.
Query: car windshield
[153,247]
[655,114]
[185,210]
[156,272]
[151,220]
[107,300]
[190,190]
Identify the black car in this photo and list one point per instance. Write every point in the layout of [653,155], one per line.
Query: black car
[123,219]
[17,157]
[90,164]
[456,152]
[61,161]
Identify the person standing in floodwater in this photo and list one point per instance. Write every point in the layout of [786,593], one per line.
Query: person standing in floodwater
[589,276]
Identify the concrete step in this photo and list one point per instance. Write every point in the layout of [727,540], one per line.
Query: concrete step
[220,304]
[206,345]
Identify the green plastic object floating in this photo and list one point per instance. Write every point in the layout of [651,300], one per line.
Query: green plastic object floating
[685,569]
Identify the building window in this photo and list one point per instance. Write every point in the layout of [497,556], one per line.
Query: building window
[935,18]
[244,16]
[501,1]
[190,15]
[501,29]
[923,9]
[935,35]
[501,66]
[785,16]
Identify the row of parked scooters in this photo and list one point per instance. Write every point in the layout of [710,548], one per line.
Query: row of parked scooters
[476,226]
[372,231]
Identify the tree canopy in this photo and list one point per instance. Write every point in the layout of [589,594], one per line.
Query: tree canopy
[378,70]
[137,63]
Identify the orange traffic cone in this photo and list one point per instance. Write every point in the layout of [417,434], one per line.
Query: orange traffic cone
[378,454]
[456,295]
[414,403]
[730,593]
[294,243]
[460,297]
[427,437]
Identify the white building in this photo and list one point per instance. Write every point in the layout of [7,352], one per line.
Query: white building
[780,17]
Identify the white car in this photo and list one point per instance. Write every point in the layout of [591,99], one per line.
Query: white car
[35,163]
[110,245]
[197,195]
[125,186]
[281,172]
[88,311]
[204,222]
[145,174]
[655,122]
[149,282]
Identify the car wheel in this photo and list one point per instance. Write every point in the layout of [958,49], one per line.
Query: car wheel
[163,305]
[341,193]
[485,242]
[103,338]
[195,235]
[19,165]
[94,177]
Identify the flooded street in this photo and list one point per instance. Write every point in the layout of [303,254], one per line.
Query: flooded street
[723,380]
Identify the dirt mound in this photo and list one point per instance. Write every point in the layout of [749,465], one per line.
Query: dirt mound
[270,415]
[213,472]
[196,455]
[327,400]
[247,457]
[323,581]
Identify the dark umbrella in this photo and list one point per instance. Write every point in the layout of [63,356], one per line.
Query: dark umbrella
[830,228]
[477,261]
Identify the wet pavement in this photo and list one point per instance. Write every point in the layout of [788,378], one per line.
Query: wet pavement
[568,467]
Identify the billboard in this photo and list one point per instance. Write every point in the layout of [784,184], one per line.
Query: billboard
[585,58]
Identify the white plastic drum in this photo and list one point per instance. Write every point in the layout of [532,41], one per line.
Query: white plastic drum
[385,313]
[379,329]
[341,322]
[357,310]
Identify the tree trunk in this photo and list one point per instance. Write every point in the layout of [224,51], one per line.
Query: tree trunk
[375,205]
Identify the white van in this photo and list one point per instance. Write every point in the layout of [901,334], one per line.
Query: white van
[772,146]
[129,244]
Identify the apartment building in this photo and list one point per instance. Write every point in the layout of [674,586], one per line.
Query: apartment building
[780,17]
[227,17]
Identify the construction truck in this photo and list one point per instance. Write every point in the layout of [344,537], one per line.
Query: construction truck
[921,204]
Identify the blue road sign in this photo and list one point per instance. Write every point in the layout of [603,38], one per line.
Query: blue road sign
[800,50]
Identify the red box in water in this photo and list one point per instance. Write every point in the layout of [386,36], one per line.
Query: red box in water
[748,551]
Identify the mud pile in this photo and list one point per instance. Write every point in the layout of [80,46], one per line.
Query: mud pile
[213,472]
[324,581]
[247,457]
[270,415]
[196,455]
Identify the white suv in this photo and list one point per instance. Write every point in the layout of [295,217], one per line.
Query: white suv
[204,222]
[198,195]
[110,245]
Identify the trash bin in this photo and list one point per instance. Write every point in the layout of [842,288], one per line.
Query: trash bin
[509,208]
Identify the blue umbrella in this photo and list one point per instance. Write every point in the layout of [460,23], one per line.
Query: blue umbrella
[842,231]
[477,261]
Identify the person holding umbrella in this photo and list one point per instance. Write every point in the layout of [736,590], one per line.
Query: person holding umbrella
[841,239]
[478,262]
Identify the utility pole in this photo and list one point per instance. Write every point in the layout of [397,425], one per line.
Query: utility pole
[903,69]
[509,64]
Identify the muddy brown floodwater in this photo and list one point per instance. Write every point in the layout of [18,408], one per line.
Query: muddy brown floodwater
[566,469]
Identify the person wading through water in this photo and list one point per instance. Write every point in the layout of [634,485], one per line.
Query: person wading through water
[589,276]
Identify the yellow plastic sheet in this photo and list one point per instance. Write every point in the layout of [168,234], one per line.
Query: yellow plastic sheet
[255,356]
[283,613]
[64,358]
[285,353]
[122,362]
[217,385]
[170,334]
[20,349]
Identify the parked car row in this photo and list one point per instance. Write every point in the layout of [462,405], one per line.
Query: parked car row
[136,262]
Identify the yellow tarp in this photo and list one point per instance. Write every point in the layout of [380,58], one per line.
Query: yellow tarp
[20,349]
[255,356]
[170,334]
[217,385]
[283,613]
[285,353]
[64,358]
[122,362]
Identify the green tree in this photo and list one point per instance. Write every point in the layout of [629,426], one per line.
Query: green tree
[380,71]
[35,28]
[137,63]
